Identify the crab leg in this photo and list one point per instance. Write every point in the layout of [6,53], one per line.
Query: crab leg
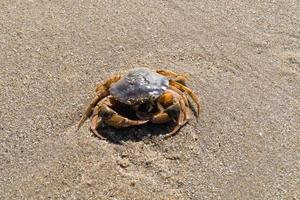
[189,92]
[103,113]
[177,110]
[111,118]
[182,119]
[180,122]
[168,114]
[102,91]
[184,102]
[174,76]
[182,94]
[175,95]
[89,109]
[95,122]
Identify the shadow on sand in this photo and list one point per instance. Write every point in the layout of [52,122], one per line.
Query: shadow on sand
[135,133]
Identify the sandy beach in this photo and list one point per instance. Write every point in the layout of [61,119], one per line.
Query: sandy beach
[243,60]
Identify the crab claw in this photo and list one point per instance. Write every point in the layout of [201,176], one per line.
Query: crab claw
[110,117]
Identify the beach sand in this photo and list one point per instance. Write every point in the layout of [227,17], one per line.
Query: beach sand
[243,60]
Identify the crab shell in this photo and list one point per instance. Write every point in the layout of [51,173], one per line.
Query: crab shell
[139,86]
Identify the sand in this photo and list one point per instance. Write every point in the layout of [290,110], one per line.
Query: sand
[243,58]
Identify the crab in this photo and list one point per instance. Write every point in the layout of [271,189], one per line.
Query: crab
[158,96]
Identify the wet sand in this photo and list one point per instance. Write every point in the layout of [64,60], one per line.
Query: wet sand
[243,59]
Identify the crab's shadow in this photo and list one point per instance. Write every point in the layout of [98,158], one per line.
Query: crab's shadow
[135,133]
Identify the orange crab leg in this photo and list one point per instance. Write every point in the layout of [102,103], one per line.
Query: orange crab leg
[181,120]
[116,120]
[160,118]
[185,109]
[102,91]
[112,118]
[183,95]
[176,110]
[170,114]
[94,125]
[175,95]
[189,92]
[166,99]
[175,130]
[119,121]
[103,113]
[89,109]
[174,76]
[186,104]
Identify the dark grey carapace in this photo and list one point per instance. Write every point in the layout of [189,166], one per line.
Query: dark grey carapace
[139,86]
